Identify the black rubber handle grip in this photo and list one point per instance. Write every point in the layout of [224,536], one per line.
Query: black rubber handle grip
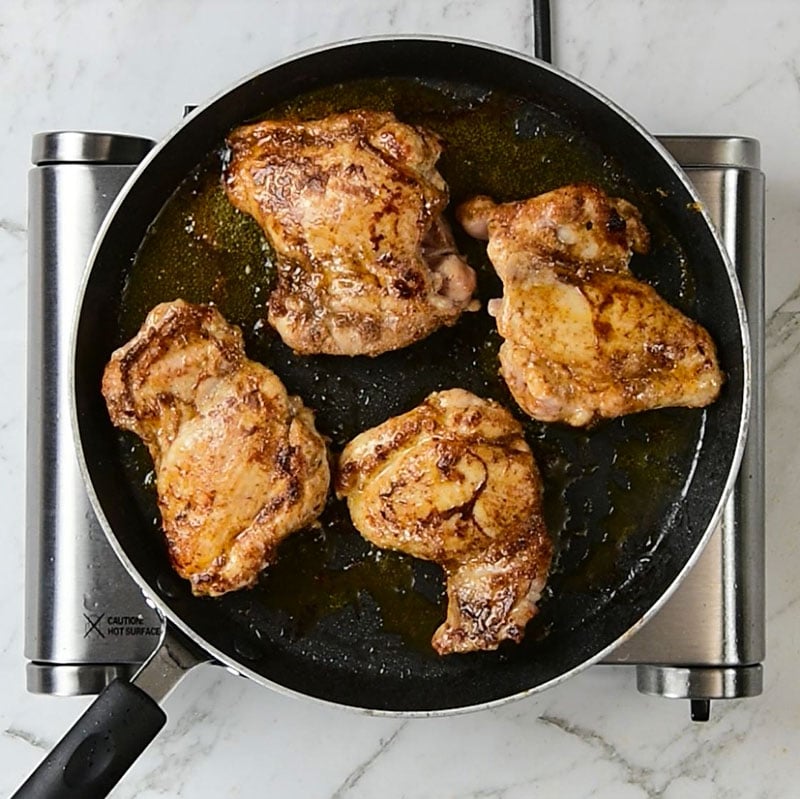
[102,745]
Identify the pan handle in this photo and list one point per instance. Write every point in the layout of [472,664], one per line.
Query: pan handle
[115,729]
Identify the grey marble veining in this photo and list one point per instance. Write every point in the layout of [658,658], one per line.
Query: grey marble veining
[714,67]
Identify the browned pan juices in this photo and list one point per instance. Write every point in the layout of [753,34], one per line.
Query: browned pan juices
[607,490]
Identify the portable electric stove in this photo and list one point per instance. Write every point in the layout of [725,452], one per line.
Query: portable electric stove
[87,621]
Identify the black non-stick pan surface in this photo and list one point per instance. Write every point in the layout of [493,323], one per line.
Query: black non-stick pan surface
[628,502]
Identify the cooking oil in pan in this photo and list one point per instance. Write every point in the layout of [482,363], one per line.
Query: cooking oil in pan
[343,571]
[202,250]
[647,473]
[607,490]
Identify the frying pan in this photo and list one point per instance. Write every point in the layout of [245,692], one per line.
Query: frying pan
[630,503]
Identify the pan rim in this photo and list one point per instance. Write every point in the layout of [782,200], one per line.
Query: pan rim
[231,663]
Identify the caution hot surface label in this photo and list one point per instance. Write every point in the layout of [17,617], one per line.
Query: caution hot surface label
[116,626]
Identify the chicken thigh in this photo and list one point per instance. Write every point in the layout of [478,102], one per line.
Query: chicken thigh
[352,206]
[454,481]
[584,339]
[239,464]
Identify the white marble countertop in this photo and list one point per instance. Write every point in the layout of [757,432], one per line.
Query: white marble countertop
[714,67]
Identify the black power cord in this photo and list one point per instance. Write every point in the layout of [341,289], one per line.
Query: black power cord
[542,43]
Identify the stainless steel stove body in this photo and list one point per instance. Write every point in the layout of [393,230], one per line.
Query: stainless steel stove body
[88,622]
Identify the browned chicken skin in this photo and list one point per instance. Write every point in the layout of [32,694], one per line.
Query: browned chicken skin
[584,339]
[352,206]
[453,481]
[239,464]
